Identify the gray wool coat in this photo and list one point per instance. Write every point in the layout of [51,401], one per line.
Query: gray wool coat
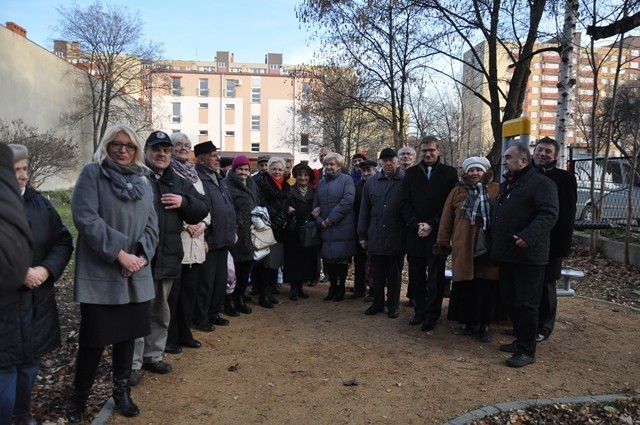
[335,195]
[107,224]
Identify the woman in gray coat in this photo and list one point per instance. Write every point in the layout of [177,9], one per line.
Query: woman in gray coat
[117,226]
[333,209]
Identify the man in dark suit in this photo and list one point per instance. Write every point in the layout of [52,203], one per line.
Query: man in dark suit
[424,191]
[545,156]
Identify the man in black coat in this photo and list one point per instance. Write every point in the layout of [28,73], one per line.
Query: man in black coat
[219,237]
[545,156]
[524,214]
[424,191]
[176,201]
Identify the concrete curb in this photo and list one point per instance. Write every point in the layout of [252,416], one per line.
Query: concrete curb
[105,413]
[517,405]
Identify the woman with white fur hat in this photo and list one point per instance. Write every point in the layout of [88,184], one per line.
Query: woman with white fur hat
[463,232]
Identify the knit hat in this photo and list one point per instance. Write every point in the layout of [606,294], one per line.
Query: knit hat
[204,147]
[360,155]
[240,160]
[20,152]
[476,161]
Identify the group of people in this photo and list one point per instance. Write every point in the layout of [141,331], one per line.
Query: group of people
[158,236]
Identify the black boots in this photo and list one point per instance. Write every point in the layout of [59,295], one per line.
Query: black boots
[122,356]
[332,292]
[263,298]
[301,291]
[241,304]
[294,292]
[339,294]
[484,334]
[87,363]
[230,308]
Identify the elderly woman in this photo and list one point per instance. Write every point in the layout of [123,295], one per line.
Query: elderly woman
[112,208]
[246,197]
[276,197]
[464,224]
[33,307]
[182,296]
[333,209]
[300,263]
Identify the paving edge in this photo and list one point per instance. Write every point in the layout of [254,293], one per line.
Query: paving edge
[524,404]
[105,413]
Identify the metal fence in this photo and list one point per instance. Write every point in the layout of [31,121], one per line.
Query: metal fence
[610,200]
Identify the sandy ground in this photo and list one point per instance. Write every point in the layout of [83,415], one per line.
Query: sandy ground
[292,363]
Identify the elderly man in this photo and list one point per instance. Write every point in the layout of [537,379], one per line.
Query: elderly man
[545,156]
[424,191]
[263,161]
[381,231]
[407,156]
[524,214]
[362,261]
[219,237]
[176,201]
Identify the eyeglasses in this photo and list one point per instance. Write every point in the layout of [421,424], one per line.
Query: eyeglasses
[130,147]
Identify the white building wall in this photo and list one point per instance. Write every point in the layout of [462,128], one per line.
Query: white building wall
[39,87]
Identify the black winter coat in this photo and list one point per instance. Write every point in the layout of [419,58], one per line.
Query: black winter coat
[167,263]
[526,207]
[300,264]
[422,200]
[277,203]
[29,325]
[245,198]
[221,233]
[16,246]
[562,232]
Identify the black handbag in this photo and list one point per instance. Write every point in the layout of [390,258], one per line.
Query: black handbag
[309,234]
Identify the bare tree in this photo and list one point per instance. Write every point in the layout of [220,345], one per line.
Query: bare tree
[110,47]
[49,155]
[382,41]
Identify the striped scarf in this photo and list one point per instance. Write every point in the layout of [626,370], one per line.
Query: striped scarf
[476,205]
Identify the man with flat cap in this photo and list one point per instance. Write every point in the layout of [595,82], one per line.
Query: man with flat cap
[362,266]
[263,162]
[381,231]
[219,237]
[175,201]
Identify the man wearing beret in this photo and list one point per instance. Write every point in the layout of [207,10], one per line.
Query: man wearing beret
[219,237]
[175,201]
[424,191]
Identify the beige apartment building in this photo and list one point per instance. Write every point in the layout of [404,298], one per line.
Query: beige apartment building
[241,107]
[541,100]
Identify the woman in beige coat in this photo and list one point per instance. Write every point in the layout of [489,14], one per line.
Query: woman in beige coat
[463,232]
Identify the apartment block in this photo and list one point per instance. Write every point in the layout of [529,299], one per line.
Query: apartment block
[241,107]
[541,99]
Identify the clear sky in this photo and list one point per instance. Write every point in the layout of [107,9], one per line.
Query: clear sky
[188,29]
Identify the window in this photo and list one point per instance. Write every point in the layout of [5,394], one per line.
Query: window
[203,106]
[222,64]
[175,131]
[230,133]
[535,77]
[230,106]
[535,102]
[176,86]
[549,90]
[255,95]
[231,88]
[175,112]
[204,87]
[535,90]
[255,122]
[304,143]
[255,147]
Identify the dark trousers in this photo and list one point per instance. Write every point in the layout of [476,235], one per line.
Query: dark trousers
[181,301]
[520,291]
[243,270]
[549,300]
[212,286]
[387,270]
[360,270]
[426,277]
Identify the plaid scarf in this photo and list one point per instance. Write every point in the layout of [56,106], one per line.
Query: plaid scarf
[476,205]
